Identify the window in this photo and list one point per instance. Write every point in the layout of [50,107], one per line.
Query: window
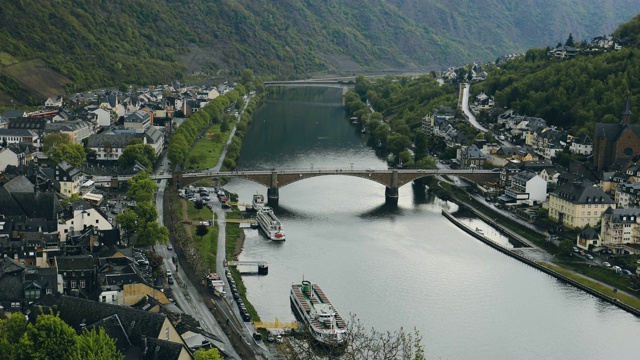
[73,284]
[49,291]
[82,284]
[97,221]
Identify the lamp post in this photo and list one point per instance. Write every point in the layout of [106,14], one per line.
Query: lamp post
[351,166]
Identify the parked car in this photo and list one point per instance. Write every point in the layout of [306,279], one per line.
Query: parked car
[575,249]
[170,280]
[246,316]
[170,247]
[627,272]
[168,273]
[606,264]
[589,256]
[257,336]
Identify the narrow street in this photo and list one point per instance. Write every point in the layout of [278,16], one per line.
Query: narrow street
[185,294]
[467,111]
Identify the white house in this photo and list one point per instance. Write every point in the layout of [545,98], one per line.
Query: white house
[55,101]
[78,216]
[103,117]
[8,157]
[582,145]
[526,187]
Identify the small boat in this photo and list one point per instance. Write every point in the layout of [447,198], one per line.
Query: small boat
[258,202]
[479,231]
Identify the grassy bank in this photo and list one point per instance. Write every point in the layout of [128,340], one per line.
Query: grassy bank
[605,279]
[624,298]
[207,150]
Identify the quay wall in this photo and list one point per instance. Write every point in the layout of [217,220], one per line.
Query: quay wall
[535,265]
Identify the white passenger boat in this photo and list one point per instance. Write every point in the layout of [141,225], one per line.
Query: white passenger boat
[270,224]
[312,307]
[258,202]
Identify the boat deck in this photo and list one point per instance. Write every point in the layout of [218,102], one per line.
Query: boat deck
[305,302]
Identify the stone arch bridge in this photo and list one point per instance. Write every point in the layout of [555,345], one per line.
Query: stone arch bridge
[391,179]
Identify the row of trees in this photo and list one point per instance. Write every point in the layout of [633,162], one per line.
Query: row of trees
[142,219]
[52,338]
[400,104]
[189,131]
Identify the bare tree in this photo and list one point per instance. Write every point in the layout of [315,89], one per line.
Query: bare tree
[361,344]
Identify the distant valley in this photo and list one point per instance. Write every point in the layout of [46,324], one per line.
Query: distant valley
[96,43]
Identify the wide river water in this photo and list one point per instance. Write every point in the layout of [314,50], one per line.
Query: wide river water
[406,267]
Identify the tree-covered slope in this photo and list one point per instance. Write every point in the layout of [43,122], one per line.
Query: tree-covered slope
[107,42]
[574,93]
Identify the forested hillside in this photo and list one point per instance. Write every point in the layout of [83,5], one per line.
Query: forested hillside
[109,42]
[572,93]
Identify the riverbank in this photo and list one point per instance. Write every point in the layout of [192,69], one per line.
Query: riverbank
[602,291]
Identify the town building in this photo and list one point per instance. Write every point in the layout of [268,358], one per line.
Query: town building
[16,136]
[69,178]
[620,228]
[582,145]
[615,141]
[627,195]
[525,187]
[470,157]
[577,204]
[139,121]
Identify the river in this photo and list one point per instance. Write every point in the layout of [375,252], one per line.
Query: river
[405,267]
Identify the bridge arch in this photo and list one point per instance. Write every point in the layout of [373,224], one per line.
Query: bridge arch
[392,179]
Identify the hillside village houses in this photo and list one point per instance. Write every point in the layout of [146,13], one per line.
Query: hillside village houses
[73,255]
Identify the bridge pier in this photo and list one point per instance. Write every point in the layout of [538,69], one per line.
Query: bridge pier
[391,195]
[273,195]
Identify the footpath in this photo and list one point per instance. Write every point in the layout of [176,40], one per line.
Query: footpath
[544,262]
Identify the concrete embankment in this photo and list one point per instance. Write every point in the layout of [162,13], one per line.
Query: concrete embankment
[542,268]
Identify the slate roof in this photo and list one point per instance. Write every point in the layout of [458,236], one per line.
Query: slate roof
[153,134]
[117,141]
[19,184]
[114,328]
[136,323]
[17,198]
[589,233]
[611,132]
[623,216]
[138,116]
[524,176]
[17,132]
[28,123]
[80,262]
[582,192]
[156,349]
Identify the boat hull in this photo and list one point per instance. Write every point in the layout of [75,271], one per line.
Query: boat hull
[270,225]
[337,339]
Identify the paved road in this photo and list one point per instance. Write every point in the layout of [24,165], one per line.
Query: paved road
[467,112]
[184,292]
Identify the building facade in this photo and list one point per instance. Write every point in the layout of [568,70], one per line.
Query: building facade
[577,204]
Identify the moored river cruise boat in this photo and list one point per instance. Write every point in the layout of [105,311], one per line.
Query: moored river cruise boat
[312,307]
[270,224]
[258,202]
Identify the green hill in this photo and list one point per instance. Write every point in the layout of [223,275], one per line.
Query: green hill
[98,42]
[574,93]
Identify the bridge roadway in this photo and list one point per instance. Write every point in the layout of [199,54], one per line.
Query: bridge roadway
[274,179]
